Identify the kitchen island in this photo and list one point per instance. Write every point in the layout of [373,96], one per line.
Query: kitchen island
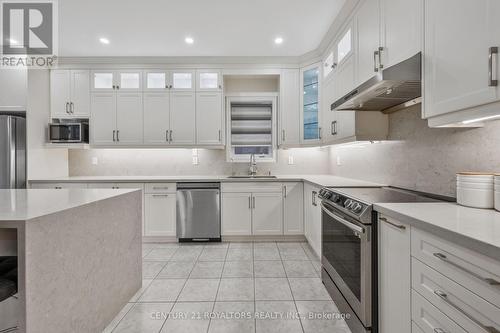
[78,253]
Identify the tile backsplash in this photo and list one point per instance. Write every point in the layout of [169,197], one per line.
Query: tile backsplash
[418,157]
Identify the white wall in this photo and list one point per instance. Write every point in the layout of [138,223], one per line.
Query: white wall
[419,157]
[43,162]
[179,162]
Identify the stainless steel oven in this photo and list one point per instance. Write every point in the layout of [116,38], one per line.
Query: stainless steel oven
[348,261]
[76,132]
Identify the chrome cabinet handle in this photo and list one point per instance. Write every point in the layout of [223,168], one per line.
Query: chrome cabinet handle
[380,50]
[283,135]
[166,135]
[249,202]
[490,281]
[171,135]
[284,191]
[114,87]
[491,70]
[117,87]
[399,226]
[314,198]
[375,66]
[348,224]
[441,294]
[253,202]
[71,107]
[160,187]
[67,104]
[114,136]
[118,135]
[220,136]
[58,187]
[334,127]
[439,330]
[220,86]
[319,132]
[160,195]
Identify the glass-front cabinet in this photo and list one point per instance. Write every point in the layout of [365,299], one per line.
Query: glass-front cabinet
[310,121]
[183,80]
[156,80]
[208,80]
[127,80]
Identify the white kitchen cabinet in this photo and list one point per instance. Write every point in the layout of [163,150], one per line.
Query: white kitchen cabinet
[182,80]
[156,118]
[394,276]
[312,217]
[103,119]
[457,55]
[182,118]
[310,128]
[401,30]
[236,214]
[208,80]
[367,40]
[209,118]
[160,214]
[70,93]
[103,80]
[13,88]
[117,186]
[116,118]
[156,80]
[114,80]
[293,209]
[289,120]
[267,214]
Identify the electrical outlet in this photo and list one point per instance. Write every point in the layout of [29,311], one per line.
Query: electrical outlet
[339,162]
[290,160]
[94,161]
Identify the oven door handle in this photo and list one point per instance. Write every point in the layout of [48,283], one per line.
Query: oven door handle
[348,224]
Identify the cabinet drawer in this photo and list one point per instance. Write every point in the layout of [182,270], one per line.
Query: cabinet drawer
[470,269]
[249,187]
[160,188]
[139,186]
[429,319]
[461,305]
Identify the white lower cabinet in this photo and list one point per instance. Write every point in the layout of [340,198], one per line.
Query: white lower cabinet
[267,214]
[293,209]
[160,214]
[394,276]
[236,214]
[58,186]
[312,217]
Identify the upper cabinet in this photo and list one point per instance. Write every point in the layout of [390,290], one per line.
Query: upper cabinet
[461,61]
[128,80]
[69,93]
[310,103]
[208,80]
[368,44]
[289,134]
[156,80]
[183,80]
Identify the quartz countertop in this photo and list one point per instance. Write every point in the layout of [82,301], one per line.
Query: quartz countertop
[475,228]
[21,205]
[320,180]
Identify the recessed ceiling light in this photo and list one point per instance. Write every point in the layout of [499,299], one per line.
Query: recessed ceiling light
[104,40]
[278,40]
[189,40]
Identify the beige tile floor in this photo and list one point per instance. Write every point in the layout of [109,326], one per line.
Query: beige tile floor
[229,287]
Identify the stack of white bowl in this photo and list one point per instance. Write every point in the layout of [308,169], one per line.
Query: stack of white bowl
[476,189]
[497,192]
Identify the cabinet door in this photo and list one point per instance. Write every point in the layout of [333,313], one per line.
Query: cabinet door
[290,107]
[103,80]
[156,118]
[236,214]
[129,81]
[267,214]
[328,117]
[394,276]
[129,123]
[208,80]
[293,209]
[309,100]
[103,120]
[367,40]
[316,230]
[308,211]
[209,118]
[182,118]
[156,80]
[401,30]
[160,215]
[182,80]
[456,54]
[60,93]
[80,93]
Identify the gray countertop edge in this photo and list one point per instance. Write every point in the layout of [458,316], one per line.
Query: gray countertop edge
[487,249]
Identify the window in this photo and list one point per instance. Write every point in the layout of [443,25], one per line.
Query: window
[328,64]
[344,46]
[310,103]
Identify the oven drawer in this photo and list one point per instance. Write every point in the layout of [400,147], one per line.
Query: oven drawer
[466,267]
[461,305]
[429,319]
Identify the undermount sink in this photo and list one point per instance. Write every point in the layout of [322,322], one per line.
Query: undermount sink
[252,177]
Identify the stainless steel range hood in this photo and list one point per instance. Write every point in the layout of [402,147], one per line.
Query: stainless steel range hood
[395,87]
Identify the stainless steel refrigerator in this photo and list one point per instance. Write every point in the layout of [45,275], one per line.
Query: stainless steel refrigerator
[12,151]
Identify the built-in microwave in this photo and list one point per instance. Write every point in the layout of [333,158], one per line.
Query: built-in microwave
[77,132]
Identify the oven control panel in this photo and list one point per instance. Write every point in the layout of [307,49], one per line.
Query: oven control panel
[339,200]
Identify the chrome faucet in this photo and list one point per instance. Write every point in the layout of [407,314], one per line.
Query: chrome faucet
[252,170]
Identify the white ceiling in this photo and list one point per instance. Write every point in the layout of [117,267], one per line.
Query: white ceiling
[219,27]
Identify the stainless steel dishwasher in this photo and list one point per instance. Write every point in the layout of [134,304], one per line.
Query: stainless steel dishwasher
[198,212]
